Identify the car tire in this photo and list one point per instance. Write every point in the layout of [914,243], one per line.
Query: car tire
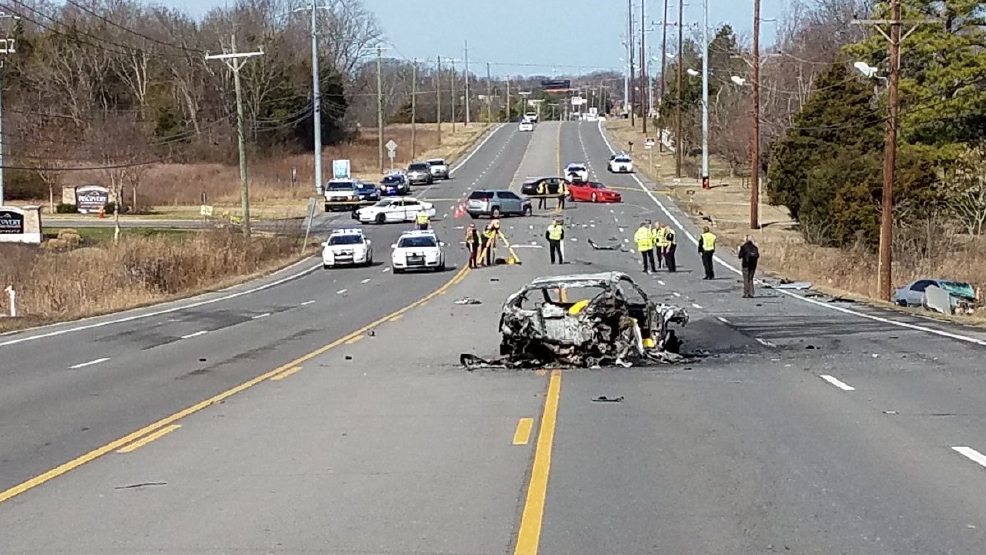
[380,219]
[326,267]
[528,210]
[495,214]
[474,216]
[398,271]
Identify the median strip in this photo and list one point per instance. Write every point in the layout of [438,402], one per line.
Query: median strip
[147,439]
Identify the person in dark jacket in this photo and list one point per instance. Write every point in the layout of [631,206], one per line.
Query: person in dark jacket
[749,254]
[472,243]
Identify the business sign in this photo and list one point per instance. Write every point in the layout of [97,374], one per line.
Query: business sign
[340,169]
[577,101]
[556,84]
[11,221]
[91,198]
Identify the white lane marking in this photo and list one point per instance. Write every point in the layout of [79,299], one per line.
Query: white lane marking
[306,303]
[698,306]
[341,291]
[164,311]
[259,316]
[676,294]
[837,383]
[971,454]
[475,149]
[90,363]
[387,269]
[367,280]
[723,320]
[661,282]
[196,334]
[765,343]
[693,239]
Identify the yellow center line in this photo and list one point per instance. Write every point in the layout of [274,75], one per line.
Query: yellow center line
[215,399]
[355,339]
[287,373]
[396,318]
[529,535]
[147,439]
[523,433]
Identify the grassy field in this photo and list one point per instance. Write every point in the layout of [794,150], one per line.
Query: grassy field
[83,273]
[175,190]
[784,253]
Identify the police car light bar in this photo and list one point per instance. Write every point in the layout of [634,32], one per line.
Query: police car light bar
[418,232]
[347,231]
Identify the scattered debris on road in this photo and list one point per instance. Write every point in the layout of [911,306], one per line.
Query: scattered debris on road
[584,320]
[468,300]
[603,247]
[605,399]
[142,485]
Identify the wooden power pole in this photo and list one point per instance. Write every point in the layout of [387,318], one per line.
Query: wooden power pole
[664,65]
[678,143]
[755,124]
[414,106]
[643,72]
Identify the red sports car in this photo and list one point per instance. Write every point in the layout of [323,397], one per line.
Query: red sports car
[592,192]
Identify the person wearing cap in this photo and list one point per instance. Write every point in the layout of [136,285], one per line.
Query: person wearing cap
[555,235]
[472,243]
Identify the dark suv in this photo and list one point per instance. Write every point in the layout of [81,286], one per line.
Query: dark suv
[496,203]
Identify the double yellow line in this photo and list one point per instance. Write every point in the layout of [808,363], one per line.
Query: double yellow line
[167,425]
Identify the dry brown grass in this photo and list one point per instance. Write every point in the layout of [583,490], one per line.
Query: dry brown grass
[784,252]
[182,185]
[57,285]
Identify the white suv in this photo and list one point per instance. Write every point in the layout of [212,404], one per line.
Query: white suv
[620,163]
[347,247]
[418,249]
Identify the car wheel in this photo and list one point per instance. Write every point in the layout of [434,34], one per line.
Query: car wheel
[528,210]
[380,219]
[496,213]
[325,266]
[474,216]
[398,271]
[594,198]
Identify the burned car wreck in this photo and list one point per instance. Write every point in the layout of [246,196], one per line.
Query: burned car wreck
[587,320]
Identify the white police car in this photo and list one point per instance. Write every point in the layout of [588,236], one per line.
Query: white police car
[577,171]
[418,249]
[620,163]
[347,247]
[525,125]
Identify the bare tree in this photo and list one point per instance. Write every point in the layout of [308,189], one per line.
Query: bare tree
[967,195]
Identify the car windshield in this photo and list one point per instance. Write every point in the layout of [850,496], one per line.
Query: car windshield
[417,167]
[391,180]
[340,186]
[622,159]
[347,239]
[959,289]
[417,242]
[437,162]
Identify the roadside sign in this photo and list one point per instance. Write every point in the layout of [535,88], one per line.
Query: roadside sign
[205,211]
[648,142]
[577,101]
[340,169]
[391,146]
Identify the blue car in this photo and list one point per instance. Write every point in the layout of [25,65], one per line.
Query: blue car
[367,192]
[395,184]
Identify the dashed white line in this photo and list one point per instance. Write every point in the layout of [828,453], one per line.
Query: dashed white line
[196,334]
[764,342]
[341,291]
[367,280]
[723,320]
[259,316]
[676,294]
[698,306]
[387,269]
[306,303]
[661,282]
[837,383]
[971,454]
[90,363]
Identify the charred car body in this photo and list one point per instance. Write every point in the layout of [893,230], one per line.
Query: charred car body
[587,320]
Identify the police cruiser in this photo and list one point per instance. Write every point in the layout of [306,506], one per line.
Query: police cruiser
[347,247]
[418,249]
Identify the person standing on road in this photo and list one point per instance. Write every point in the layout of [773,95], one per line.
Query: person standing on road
[749,254]
[659,243]
[644,238]
[555,235]
[542,196]
[671,243]
[562,193]
[422,219]
[707,248]
[489,243]
[472,243]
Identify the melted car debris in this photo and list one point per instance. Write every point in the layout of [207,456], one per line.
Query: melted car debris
[615,324]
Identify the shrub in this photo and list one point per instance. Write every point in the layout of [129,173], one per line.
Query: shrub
[62,208]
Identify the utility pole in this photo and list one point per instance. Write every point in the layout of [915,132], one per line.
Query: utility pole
[643,71]
[380,107]
[235,60]
[664,65]
[705,94]
[467,81]
[885,271]
[509,117]
[452,92]
[755,132]
[6,47]
[438,99]
[678,143]
[316,99]
[489,98]
[414,107]
[633,96]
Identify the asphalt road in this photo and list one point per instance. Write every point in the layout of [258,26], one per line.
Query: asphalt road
[809,427]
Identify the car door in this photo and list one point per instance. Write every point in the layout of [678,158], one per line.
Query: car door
[395,210]
[511,203]
[411,207]
[915,293]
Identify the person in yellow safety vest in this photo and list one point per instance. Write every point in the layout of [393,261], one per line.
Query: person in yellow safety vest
[542,199]
[555,235]
[644,237]
[707,248]
[422,219]
[659,243]
[562,193]
[672,245]
[489,241]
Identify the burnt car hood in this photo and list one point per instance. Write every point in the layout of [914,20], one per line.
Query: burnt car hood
[619,325]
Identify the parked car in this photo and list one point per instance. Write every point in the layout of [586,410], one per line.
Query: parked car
[592,192]
[418,250]
[525,125]
[439,169]
[394,184]
[367,192]
[913,293]
[400,209]
[341,194]
[496,203]
[419,173]
[347,247]
[531,117]
[576,172]
[620,163]
[551,185]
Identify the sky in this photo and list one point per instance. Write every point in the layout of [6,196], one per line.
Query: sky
[534,37]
